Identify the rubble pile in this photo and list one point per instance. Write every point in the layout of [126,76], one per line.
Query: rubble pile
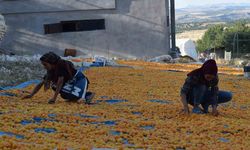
[17,69]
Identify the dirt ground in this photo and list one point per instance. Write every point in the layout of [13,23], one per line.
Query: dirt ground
[147,117]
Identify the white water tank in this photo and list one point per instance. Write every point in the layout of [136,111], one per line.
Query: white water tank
[187,48]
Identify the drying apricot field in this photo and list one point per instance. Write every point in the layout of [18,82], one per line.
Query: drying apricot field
[134,108]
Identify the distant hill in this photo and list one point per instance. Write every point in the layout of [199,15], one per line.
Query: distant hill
[213,13]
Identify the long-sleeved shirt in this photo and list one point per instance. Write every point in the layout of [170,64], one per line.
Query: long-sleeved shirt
[192,81]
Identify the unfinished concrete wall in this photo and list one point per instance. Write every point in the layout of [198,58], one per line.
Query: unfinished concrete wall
[38,6]
[2,29]
[135,28]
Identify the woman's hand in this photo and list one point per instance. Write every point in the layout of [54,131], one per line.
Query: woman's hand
[52,101]
[59,85]
[186,110]
[28,96]
[215,112]
[35,90]
[185,104]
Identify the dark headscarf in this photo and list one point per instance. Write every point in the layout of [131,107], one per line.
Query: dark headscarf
[50,58]
[209,67]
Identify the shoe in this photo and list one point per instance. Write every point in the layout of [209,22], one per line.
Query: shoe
[205,108]
[197,110]
[88,97]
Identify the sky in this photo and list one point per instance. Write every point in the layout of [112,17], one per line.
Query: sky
[185,3]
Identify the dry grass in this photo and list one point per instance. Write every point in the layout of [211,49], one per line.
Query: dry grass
[193,35]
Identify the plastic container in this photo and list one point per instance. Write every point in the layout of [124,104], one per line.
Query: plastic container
[247,71]
[70,52]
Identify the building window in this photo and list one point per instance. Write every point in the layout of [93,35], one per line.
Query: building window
[167,21]
[75,26]
[52,28]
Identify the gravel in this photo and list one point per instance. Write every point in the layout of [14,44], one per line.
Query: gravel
[17,69]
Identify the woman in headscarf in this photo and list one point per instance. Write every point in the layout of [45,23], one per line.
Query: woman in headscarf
[63,78]
[201,88]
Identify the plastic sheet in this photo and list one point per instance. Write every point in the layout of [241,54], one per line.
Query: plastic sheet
[115,133]
[22,85]
[107,123]
[45,130]
[11,134]
[112,101]
[160,101]
[147,127]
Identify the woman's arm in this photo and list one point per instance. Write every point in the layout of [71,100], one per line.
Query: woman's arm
[59,85]
[214,110]
[184,90]
[35,90]
[215,100]
[215,91]
[185,104]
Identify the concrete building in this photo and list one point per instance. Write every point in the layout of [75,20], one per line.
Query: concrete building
[2,27]
[123,28]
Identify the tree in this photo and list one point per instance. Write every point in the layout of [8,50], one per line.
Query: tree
[237,38]
[213,38]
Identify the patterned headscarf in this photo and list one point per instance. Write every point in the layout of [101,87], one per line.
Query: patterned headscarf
[50,58]
[52,75]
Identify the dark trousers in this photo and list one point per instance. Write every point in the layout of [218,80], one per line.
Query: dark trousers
[204,96]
